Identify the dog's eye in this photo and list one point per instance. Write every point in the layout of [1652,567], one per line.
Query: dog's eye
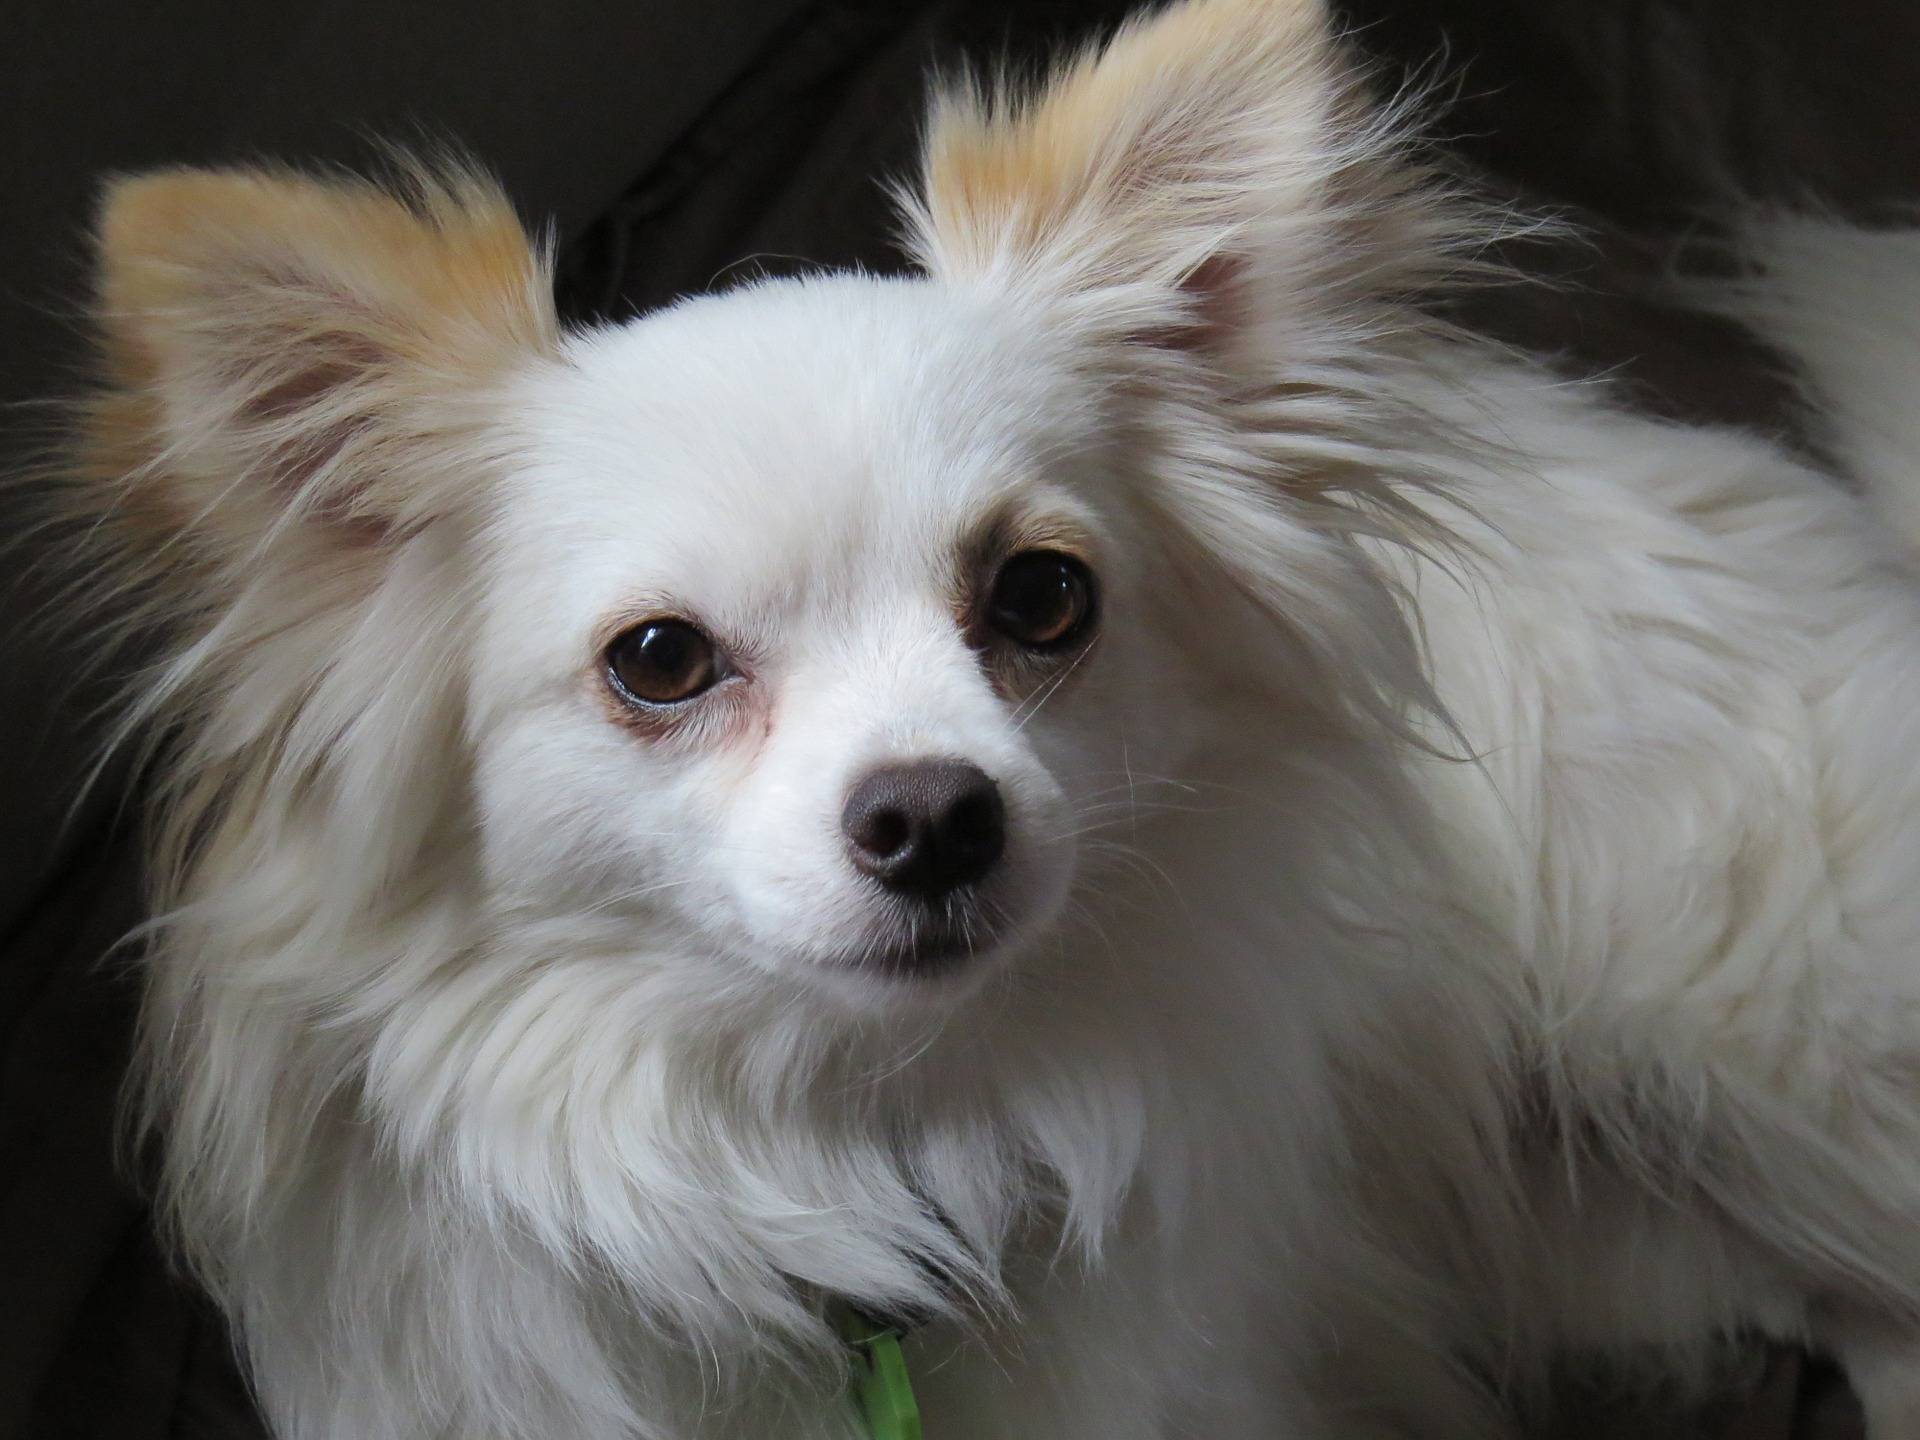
[662,662]
[1043,600]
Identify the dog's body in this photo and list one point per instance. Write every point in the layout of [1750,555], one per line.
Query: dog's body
[1448,884]
[1688,675]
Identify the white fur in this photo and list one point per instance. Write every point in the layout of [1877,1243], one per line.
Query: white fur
[1838,299]
[1463,906]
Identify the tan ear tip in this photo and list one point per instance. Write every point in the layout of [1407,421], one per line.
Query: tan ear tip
[169,214]
[150,213]
[131,206]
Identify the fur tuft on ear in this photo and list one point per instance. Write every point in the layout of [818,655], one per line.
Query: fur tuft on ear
[283,348]
[298,423]
[1219,155]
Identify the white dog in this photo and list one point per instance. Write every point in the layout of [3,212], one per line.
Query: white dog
[1251,865]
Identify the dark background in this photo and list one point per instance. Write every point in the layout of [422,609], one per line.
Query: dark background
[668,145]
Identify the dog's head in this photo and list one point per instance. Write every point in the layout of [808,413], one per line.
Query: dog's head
[807,631]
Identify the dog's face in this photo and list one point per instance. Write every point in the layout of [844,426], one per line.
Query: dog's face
[814,625]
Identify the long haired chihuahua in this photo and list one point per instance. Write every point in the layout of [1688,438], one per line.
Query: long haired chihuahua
[1135,806]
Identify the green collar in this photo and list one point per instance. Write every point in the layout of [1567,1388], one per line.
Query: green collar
[880,1382]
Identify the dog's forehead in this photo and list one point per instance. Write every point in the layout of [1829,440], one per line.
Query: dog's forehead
[791,427]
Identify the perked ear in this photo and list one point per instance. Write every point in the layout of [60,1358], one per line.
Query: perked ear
[284,350]
[1219,155]
[1214,209]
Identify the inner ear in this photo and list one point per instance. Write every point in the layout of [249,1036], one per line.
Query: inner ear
[1216,304]
[308,403]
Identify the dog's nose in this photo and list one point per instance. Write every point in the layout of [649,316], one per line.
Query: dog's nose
[925,828]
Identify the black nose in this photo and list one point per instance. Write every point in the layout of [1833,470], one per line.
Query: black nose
[925,828]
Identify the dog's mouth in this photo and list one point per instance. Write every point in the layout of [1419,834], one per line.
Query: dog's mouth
[927,947]
[924,957]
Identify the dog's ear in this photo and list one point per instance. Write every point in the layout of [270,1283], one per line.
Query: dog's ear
[1204,169]
[1213,208]
[288,354]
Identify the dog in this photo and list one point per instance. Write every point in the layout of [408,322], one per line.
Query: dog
[1135,806]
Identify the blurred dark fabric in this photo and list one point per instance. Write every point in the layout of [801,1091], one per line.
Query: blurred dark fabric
[674,147]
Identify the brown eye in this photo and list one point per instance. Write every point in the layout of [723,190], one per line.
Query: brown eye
[662,662]
[1043,600]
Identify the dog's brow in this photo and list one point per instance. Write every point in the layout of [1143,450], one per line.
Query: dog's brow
[1015,525]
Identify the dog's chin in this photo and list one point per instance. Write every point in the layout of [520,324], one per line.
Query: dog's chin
[909,967]
[929,956]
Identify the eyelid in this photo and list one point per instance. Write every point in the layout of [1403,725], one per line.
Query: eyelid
[719,711]
[1007,541]
[738,655]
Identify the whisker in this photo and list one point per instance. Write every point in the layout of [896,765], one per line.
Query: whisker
[1047,693]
